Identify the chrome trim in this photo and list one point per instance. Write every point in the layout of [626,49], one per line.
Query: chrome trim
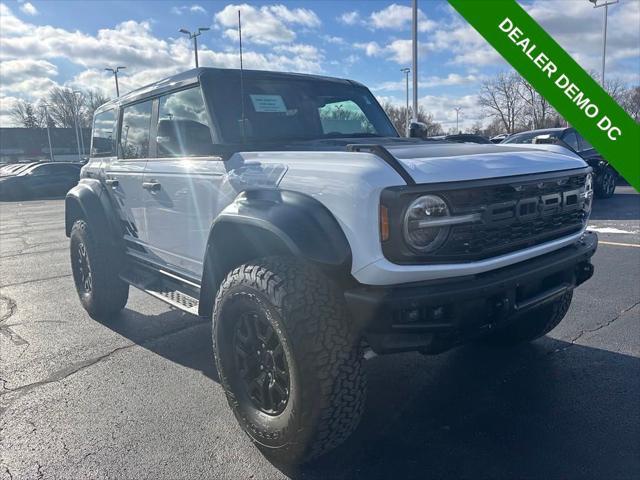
[443,222]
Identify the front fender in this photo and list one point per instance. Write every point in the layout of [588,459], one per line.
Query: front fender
[260,223]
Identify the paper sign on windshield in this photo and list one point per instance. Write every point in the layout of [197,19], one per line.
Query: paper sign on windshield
[268,103]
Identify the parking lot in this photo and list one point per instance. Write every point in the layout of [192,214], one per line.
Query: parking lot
[138,396]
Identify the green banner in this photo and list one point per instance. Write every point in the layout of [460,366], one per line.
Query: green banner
[558,78]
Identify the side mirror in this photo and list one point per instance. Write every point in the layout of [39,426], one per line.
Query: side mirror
[417,130]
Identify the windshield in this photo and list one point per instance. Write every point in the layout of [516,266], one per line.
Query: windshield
[527,137]
[296,109]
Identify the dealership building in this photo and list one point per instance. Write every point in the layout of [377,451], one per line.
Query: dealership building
[30,144]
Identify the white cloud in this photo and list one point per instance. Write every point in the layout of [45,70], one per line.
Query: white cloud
[349,18]
[28,53]
[582,35]
[371,49]
[269,24]
[195,8]
[452,79]
[29,9]
[306,51]
[334,39]
[398,17]
[398,50]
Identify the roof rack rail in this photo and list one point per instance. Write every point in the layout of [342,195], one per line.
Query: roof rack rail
[385,155]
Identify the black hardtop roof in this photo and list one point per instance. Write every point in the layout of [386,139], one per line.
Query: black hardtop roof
[192,76]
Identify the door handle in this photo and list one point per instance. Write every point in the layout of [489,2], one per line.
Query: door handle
[112,182]
[152,186]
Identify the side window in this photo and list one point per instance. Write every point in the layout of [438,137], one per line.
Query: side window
[103,136]
[572,140]
[583,144]
[134,136]
[183,128]
[344,117]
[43,170]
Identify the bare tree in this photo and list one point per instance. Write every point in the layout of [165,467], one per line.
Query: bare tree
[63,107]
[502,99]
[536,109]
[28,115]
[630,101]
[92,100]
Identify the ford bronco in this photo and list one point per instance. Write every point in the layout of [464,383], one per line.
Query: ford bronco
[287,209]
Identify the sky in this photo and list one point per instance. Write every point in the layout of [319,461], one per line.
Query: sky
[69,43]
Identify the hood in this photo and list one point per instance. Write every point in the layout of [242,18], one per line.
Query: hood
[458,162]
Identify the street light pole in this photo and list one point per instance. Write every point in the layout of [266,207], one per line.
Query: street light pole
[604,30]
[77,92]
[406,71]
[414,55]
[46,119]
[194,36]
[458,110]
[115,75]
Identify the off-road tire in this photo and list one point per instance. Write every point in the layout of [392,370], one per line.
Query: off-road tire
[605,183]
[108,294]
[323,353]
[532,325]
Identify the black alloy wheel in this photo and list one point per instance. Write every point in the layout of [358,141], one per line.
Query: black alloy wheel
[262,363]
[83,266]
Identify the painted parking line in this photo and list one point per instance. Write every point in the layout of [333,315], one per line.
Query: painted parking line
[617,244]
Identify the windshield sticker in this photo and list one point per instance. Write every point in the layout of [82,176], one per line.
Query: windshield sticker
[268,103]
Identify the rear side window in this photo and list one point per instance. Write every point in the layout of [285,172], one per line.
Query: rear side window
[134,136]
[103,138]
[183,126]
[571,140]
[583,144]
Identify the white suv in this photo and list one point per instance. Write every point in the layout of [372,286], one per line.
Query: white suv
[287,209]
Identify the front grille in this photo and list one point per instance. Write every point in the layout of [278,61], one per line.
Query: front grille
[514,216]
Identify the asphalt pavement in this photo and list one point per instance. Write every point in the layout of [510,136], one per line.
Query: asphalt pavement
[138,396]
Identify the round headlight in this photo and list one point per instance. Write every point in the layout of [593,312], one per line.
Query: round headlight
[421,229]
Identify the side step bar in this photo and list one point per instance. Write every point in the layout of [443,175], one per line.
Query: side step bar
[168,287]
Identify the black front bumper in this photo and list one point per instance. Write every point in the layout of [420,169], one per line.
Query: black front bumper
[434,316]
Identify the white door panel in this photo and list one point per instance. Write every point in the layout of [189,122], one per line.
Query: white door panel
[180,212]
[126,178]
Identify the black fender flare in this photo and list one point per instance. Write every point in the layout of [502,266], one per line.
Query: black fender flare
[270,222]
[88,200]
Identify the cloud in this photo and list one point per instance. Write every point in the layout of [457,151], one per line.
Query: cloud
[452,79]
[334,39]
[398,17]
[29,54]
[29,9]
[195,8]
[582,36]
[349,18]
[398,50]
[269,24]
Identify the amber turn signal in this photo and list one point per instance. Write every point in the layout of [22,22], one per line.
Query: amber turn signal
[384,223]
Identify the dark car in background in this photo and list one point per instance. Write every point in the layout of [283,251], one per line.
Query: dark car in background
[605,177]
[15,168]
[462,138]
[501,137]
[46,179]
